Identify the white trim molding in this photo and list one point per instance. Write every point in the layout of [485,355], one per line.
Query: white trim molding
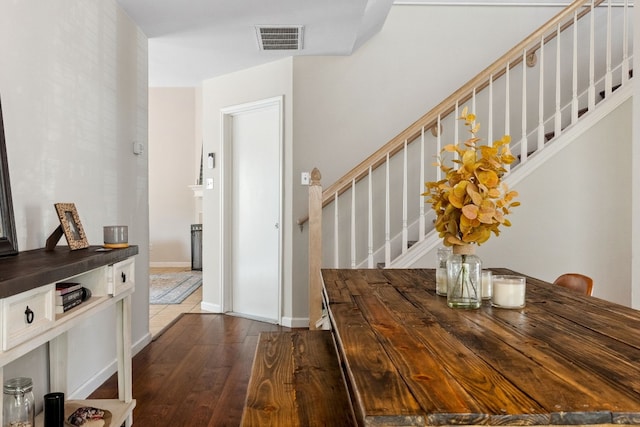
[295,322]
[504,3]
[209,307]
[169,264]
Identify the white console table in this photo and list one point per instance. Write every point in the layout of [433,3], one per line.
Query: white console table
[28,319]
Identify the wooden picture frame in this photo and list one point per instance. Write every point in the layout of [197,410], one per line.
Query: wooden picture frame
[71,226]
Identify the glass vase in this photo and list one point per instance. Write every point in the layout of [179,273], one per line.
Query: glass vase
[441,271]
[464,278]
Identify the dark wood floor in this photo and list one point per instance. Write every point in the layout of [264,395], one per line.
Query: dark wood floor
[194,374]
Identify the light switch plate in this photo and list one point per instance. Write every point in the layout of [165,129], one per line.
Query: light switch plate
[305,178]
[209,183]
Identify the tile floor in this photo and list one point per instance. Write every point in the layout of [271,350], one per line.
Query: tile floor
[161,316]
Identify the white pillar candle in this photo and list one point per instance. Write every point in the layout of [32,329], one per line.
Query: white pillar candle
[508,291]
[486,284]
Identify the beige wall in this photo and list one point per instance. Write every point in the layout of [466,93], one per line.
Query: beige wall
[254,84]
[74,96]
[73,82]
[635,173]
[355,104]
[173,147]
[575,214]
[340,109]
[347,107]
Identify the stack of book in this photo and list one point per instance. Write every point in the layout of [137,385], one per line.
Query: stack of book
[68,295]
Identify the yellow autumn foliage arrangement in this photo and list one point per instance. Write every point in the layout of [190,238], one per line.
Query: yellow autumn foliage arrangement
[471,201]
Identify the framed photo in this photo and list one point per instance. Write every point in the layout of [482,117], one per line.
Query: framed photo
[71,225]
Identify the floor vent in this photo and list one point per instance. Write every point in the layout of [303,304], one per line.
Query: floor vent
[274,37]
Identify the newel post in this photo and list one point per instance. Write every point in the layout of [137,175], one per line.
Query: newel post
[315,248]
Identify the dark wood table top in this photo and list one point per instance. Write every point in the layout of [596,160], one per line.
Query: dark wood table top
[409,359]
[31,269]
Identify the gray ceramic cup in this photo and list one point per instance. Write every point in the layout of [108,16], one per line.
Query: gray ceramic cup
[116,234]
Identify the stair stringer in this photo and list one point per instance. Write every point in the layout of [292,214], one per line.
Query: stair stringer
[568,136]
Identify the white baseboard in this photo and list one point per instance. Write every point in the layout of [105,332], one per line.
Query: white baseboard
[295,322]
[142,343]
[94,382]
[213,308]
[169,264]
[98,379]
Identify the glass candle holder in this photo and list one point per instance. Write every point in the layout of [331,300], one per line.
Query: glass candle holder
[508,291]
[441,271]
[487,284]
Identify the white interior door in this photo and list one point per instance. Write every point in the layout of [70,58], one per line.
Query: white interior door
[256,152]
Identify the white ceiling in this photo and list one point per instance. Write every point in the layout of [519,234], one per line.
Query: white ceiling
[194,40]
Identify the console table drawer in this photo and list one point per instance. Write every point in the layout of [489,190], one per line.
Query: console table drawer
[121,276]
[27,314]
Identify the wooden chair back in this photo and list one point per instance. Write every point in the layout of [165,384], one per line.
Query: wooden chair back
[576,282]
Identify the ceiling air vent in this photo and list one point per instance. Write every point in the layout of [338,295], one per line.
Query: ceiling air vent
[280,37]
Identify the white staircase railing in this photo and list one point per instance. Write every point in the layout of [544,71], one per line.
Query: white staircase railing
[534,92]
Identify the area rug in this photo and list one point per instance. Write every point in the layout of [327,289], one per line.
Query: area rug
[173,288]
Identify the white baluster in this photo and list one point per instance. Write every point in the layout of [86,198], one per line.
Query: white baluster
[336,233]
[456,136]
[592,85]
[422,223]
[541,98]
[608,80]
[558,113]
[473,102]
[438,148]
[507,108]
[524,152]
[353,224]
[625,43]
[574,90]
[490,117]
[405,200]
[387,219]
[370,237]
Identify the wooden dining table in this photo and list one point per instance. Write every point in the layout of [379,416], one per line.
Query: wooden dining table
[410,360]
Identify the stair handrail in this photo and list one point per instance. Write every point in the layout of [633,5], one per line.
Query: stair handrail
[512,58]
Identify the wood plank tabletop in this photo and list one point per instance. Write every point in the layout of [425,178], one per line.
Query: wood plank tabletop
[411,360]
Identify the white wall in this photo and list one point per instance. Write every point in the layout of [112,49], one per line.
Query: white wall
[73,83]
[254,84]
[173,146]
[347,107]
[575,214]
[635,174]
[355,104]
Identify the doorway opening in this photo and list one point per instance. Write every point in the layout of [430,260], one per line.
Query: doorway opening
[252,182]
